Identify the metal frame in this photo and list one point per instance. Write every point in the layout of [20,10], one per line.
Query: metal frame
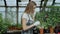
[45,2]
[17,12]
[5,9]
[53,2]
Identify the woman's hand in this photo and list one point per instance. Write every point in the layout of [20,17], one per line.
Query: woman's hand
[25,27]
[37,23]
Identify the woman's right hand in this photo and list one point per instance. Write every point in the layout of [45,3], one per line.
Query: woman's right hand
[37,23]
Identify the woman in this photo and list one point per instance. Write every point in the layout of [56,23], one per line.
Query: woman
[28,18]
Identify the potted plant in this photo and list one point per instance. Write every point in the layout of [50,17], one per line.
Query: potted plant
[19,27]
[4,24]
[40,17]
[47,19]
[15,27]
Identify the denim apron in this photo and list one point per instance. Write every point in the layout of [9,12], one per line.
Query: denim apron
[29,31]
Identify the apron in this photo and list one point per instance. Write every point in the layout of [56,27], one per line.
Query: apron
[29,31]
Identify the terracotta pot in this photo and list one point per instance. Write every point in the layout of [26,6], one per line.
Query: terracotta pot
[12,28]
[19,28]
[51,30]
[41,31]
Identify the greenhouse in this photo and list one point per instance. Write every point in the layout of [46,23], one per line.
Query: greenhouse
[47,12]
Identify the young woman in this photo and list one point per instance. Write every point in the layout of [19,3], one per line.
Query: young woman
[28,18]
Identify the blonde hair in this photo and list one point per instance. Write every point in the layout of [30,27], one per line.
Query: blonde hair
[30,6]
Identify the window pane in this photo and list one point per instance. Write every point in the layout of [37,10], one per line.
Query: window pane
[22,3]
[11,2]
[2,9]
[3,14]
[25,0]
[21,9]
[11,15]
[57,1]
[2,3]
[37,9]
[19,17]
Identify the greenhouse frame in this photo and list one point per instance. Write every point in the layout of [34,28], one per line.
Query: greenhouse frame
[47,12]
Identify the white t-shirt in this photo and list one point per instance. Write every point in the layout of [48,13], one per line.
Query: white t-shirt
[27,16]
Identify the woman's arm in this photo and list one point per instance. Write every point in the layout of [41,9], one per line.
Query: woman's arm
[25,27]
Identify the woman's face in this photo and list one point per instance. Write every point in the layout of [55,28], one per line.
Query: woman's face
[33,9]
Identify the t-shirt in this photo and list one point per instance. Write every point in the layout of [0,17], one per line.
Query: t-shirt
[27,17]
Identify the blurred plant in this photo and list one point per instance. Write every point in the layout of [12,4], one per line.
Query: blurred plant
[48,18]
[4,24]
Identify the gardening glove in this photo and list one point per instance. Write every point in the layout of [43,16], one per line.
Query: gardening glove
[37,23]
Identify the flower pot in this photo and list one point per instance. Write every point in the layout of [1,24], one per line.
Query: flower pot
[57,29]
[19,28]
[46,31]
[41,31]
[51,30]
[12,28]
[15,28]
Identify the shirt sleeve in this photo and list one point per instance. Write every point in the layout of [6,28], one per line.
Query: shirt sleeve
[25,16]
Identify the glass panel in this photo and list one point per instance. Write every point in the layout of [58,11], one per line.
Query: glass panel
[57,1]
[21,9]
[57,5]
[49,3]
[3,14]
[19,17]
[22,3]
[2,11]
[50,0]
[11,15]
[2,3]
[24,0]
[36,0]
[11,2]
[25,3]
[37,9]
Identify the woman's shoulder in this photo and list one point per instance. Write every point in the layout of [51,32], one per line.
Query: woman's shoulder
[24,15]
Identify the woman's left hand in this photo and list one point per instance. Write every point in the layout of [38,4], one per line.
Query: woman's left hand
[37,23]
